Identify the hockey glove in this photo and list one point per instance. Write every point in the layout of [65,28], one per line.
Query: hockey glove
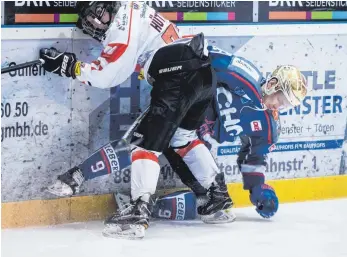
[59,63]
[265,199]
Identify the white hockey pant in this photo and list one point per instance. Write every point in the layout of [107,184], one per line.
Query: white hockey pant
[196,155]
[145,166]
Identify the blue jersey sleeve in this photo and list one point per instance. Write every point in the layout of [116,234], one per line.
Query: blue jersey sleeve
[256,144]
[262,129]
[227,64]
[260,123]
[246,70]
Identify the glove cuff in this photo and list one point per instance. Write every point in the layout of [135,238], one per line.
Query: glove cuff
[258,191]
[252,175]
[75,69]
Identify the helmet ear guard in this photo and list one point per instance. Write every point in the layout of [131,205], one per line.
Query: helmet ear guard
[288,80]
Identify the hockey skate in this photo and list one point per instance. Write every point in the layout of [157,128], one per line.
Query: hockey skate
[67,184]
[130,222]
[217,209]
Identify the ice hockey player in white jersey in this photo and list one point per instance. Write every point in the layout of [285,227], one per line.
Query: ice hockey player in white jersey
[129,32]
[183,87]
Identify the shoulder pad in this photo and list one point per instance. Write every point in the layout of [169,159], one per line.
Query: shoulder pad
[246,69]
[220,59]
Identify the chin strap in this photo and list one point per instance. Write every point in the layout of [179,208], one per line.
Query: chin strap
[255,108]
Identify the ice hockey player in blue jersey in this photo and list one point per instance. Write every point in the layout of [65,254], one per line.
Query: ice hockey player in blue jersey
[247,106]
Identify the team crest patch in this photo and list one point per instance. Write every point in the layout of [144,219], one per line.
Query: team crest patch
[239,91]
[256,125]
[245,99]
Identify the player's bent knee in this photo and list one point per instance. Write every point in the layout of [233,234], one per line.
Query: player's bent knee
[182,138]
[140,154]
[145,172]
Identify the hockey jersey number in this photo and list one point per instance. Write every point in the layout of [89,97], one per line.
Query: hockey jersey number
[98,166]
[170,34]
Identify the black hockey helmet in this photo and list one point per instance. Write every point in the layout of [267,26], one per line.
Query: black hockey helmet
[95,10]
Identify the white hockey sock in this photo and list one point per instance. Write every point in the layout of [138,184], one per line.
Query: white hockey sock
[145,171]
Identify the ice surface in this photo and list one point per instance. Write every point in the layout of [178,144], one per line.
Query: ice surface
[301,229]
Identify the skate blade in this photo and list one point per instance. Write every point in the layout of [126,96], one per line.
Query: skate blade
[59,189]
[220,217]
[115,231]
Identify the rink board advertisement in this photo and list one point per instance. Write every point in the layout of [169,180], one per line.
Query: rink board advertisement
[51,123]
[302,11]
[44,127]
[312,134]
[227,12]
[63,12]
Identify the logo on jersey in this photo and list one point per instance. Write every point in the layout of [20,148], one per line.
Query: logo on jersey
[108,51]
[178,209]
[135,6]
[227,111]
[217,50]
[121,23]
[243,65]
[256,125]
[143,10]
[112,157]
[136,134]
[170,69]
[125,20]
[180,212]
[239,91]
[157,22]
[245,100]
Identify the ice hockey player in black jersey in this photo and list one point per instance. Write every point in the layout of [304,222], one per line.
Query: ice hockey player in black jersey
[183,84]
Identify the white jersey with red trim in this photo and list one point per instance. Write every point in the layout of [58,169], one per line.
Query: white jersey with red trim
[135,32]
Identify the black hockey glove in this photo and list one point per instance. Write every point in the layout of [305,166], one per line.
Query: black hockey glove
[58,62]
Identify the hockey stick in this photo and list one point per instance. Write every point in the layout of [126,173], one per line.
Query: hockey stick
[128,134]
[134,125]
[22,66]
